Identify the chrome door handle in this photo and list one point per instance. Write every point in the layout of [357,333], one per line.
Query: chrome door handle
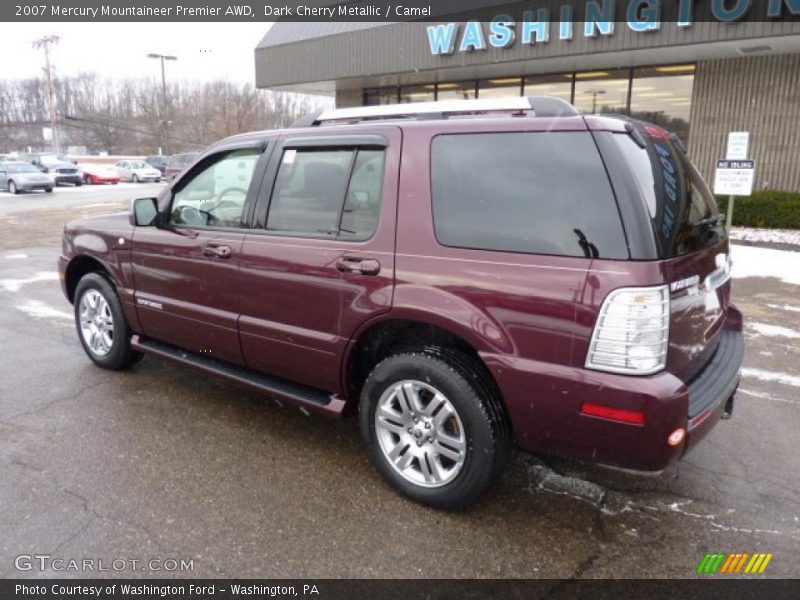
[359,266]
[212,250]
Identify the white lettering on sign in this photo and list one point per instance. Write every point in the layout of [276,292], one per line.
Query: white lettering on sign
[738,141]
[734,177]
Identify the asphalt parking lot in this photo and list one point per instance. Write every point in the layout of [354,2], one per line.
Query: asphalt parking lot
[159,462]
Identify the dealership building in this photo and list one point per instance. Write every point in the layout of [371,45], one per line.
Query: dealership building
[698,79]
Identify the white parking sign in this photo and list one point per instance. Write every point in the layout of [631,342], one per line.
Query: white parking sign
[734,177]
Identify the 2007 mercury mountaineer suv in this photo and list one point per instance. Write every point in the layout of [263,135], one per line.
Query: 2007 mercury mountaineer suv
[465,276]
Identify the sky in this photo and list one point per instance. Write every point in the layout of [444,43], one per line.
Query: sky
[205,51]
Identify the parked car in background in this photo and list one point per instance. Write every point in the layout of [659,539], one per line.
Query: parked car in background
[159,161]
[59,166]
[137,171]
[551,279]
[16,177]
[178,163]
[97,174]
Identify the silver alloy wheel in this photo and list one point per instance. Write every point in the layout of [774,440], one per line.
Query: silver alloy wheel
[420,433]
[96,322]
[12,187]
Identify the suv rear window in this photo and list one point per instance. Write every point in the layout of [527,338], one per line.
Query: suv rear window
[531,192]
[682,208]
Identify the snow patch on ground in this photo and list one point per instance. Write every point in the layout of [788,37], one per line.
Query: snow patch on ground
[773,330]
[35,308]
[15,256]
[678,507]
[765,396]
[546,479]
[750,261]
[761,375]
[785,307]
[774,236]
[15,285]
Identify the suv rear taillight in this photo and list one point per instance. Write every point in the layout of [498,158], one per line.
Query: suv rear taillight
[632,332]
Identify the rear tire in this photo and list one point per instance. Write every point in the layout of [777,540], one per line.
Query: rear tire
[48,190]
[12,188]
[102,328]
[135,178]
[441,435]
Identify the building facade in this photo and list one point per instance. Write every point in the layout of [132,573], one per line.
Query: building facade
[698,79]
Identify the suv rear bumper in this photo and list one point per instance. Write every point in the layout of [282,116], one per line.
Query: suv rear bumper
[544,401]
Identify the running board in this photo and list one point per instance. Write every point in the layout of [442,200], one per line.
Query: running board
[305,397]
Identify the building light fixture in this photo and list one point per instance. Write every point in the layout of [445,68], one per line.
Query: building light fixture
[747,50]
[510,80]
[676,69]
[590,74]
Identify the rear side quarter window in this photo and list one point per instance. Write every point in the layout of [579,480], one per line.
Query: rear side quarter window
[527,192]
[681,208]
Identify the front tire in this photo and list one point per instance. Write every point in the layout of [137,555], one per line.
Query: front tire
[434,426]
[102,328]
[48,190]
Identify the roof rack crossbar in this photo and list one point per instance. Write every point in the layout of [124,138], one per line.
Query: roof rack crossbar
[542,106]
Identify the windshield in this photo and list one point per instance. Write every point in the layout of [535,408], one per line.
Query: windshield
[139,164]
[22,169]
[682,208]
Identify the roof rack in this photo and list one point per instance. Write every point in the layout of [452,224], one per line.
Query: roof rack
[542,106]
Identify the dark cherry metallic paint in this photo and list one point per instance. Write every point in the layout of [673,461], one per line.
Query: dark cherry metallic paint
[285,306]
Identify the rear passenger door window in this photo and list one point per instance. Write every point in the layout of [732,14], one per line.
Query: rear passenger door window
[527,192]
[327,193]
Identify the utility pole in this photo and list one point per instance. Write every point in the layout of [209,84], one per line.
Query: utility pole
[595,94]
[164,57]
[45,43]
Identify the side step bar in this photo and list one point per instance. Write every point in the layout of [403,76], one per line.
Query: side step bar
[305,397]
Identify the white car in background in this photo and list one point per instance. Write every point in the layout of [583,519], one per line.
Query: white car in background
[136,171]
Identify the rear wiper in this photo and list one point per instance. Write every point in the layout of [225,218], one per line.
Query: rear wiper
[715,220]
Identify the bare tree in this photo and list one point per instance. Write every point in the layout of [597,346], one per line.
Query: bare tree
[123,116]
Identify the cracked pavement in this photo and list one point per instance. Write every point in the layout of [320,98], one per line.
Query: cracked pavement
[160,462]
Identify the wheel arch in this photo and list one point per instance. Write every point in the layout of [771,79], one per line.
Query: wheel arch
[392,334]
[82,265]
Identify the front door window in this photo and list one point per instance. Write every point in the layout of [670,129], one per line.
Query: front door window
[215,196]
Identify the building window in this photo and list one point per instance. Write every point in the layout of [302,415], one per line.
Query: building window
[660,95]
[462,90]
[376,96]
[663,95]
[602,91]
[558,86]
[499,88]
[418,93]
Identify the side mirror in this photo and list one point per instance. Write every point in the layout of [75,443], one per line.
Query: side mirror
[144,212]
